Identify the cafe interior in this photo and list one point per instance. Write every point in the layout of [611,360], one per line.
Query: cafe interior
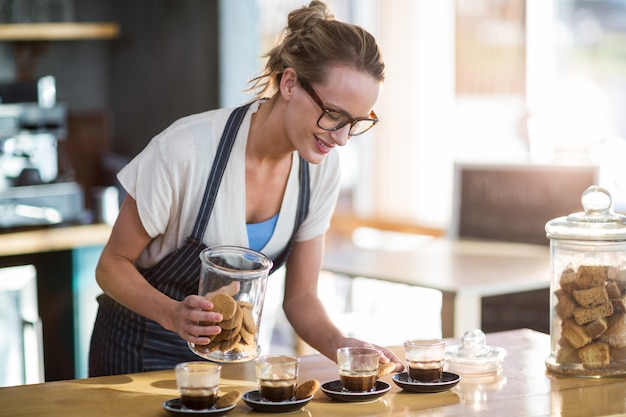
[496,118]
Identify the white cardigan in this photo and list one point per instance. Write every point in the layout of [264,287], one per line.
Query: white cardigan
[168,178]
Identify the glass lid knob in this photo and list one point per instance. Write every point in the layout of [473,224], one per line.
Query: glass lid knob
[596,200]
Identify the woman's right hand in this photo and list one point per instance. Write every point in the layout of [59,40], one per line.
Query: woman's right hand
[194,321]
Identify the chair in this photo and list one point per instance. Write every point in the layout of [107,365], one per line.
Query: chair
[513,203]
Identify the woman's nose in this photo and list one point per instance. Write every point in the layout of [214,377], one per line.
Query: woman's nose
[341,136]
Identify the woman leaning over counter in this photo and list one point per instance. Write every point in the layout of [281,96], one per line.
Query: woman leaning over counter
[278,190]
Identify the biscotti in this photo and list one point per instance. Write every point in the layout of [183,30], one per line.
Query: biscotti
[584,315]
[592,297]
[591,306]
[575,334]
[615,335]
[596,328]
[595,355]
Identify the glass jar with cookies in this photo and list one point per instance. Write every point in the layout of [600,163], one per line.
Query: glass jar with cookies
[588,290]
[234,279]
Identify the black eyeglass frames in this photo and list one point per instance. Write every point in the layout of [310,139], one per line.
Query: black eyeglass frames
[332,120]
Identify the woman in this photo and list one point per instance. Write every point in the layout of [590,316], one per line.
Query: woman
[278,189]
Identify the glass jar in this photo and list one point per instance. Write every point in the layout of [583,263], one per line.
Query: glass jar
[234,279]
[588,289]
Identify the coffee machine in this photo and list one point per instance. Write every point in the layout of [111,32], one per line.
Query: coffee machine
[33,190]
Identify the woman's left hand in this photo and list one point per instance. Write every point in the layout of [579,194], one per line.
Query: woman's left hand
[385,354]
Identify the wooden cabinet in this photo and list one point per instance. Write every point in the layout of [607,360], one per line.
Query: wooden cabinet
[64,259]
[32,39]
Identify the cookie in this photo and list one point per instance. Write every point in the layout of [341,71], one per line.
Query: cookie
[225,305]
[229,344]
[307,389]
[238,326]
[246,336]
[248,321]
[245,304]
[234,321]
[385,369]
[214,343]
[228,399]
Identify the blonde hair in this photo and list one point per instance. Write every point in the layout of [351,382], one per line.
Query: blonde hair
[312,42]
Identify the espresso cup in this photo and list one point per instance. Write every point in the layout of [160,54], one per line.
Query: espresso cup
[424,358]
[358,367]
[198,383]
[277,376]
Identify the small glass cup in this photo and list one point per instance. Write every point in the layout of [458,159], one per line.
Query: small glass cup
[424,358]
[277,376]
[358,367]
[198,383]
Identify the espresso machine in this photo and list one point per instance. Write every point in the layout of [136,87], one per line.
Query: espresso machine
[34,191]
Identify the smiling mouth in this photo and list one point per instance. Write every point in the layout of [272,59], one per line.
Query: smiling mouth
[323,144]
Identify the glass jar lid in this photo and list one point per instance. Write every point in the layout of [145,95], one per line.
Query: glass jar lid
[474,356]
[596,222]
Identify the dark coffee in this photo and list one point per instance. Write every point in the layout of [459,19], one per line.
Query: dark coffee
[277,390]
[203,402]
[358,383]
[425,374]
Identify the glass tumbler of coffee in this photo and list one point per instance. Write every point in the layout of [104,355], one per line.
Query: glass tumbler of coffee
[358,367]
[198,383]
[277,376]
[425,359]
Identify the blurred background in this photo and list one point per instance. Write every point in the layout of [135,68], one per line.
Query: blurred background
[487,81]
[529,83]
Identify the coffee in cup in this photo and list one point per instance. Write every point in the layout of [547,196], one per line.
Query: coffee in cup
[198,383]
[425,359]
[277,376]
[358,367]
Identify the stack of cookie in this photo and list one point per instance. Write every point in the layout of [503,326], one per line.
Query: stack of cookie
[591,304]
[238,326]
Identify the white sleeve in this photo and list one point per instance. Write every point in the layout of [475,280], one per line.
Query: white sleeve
[154,177]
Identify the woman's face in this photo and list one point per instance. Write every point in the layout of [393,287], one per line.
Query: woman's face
[346,90]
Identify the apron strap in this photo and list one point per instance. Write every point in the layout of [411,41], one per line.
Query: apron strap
[304,195]
[217,170]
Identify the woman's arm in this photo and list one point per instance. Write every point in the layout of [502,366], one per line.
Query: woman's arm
[305,310]
[119,278]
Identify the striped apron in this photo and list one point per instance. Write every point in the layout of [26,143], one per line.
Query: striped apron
[125,342]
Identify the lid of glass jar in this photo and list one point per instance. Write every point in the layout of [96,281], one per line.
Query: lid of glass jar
[597,222]
[473,356]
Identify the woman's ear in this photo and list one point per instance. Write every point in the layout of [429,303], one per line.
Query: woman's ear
[288,83]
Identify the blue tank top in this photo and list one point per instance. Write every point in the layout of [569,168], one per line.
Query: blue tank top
[260,233]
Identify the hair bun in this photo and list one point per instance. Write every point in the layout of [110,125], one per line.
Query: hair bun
[313,41]
[308,16]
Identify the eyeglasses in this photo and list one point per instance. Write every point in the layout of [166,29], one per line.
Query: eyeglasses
[332,120]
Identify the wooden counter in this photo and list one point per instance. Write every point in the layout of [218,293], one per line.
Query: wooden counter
[53,239]
[523,389]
